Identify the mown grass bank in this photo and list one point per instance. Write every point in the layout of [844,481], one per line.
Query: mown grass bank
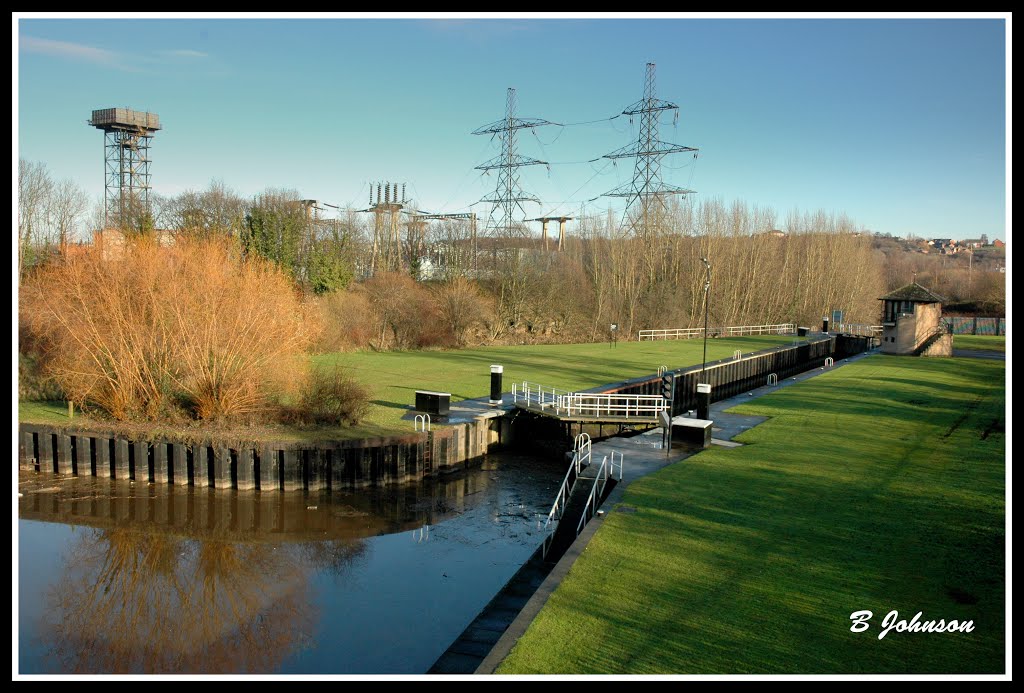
[978,342]
[877,486]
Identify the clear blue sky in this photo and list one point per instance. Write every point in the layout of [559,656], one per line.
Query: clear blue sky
[900,123]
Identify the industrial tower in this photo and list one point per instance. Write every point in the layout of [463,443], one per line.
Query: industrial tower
[126,136]
[646,193]
[508,197]
[386,255]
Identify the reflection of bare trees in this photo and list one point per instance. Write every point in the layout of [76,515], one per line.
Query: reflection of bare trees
[171,579]
[130,602]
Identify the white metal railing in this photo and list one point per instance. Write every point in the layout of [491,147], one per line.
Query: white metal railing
[626,406]
[580,458]
[604,472]
[532,394]
[860,330]
[662,370]
[738,331]
[552,400]
[581,451]
[773,379]
[737,355]
[784,328]
[690,333]
[421,419]
[829,362]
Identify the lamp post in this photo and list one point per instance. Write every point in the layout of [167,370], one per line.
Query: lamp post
[707,288]
[703,387]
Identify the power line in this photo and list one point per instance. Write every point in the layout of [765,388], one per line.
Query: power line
[573,195]
[589,122]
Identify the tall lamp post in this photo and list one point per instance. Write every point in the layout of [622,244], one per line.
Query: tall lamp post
[707,288]
[704,388]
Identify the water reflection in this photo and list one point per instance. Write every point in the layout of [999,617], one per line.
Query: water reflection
[131,602]
[201,513]
[180,580]
[122,578]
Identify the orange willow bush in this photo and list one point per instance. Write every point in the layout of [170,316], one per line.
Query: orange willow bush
[158,331]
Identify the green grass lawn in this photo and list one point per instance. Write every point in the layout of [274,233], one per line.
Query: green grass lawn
[979,342]
[876,486]
[393,377]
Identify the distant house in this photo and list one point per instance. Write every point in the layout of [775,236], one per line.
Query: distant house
[945,245]
[912,323]
[998,243]
[778,233]
[973,243]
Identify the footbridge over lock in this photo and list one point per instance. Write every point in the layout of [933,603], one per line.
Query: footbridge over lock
[588,407]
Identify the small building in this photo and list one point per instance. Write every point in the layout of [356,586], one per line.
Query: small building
[109,243]
[945,246]
[912,323]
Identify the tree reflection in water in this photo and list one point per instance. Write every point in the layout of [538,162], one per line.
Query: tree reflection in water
[135,602]
[176,579]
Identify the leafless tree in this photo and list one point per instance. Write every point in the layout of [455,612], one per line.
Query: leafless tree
[65,207]
[34,188]
[461,306]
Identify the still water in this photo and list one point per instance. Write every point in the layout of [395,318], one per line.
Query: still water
[120,578]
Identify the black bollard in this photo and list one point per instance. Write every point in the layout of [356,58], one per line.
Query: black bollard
[496,384]
[704,401]
[824,324]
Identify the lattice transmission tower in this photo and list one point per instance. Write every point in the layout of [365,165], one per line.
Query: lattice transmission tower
[507,212]
[647,192]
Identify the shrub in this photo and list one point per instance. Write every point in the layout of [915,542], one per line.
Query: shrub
[461,306]
[332,396]
[404,315]
[347,320]
[158,331]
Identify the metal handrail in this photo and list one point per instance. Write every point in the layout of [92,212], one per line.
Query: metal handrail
[686,333]
[782,328]
[563,402]
[423,419]
[581,452]
[596,404]
[605,472]
[736,331]
[533,393]
[860,329]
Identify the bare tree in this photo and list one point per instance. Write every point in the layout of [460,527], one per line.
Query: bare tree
[34,187]
[216,211]
[65,207]
[461,306]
